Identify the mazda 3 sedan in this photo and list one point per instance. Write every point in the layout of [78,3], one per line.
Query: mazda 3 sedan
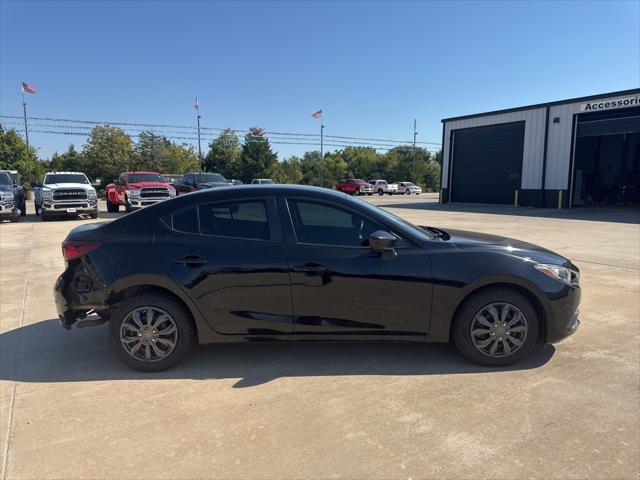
[295,263]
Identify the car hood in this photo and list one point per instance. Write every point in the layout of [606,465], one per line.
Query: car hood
[5,188]
[483,241]
[68,185]
[212,184]
[139,185]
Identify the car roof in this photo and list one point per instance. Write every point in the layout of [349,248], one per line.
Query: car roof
[155,173]
[64,173]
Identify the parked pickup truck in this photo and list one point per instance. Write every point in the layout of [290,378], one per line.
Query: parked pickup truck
[8,204]
[192,182]
[407,188]
[15,187]
[65,193]
[354,186]
[136,190]
[381,187]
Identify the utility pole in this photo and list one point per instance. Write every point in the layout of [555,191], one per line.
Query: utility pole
[196,105]
[414,150]
[321,152]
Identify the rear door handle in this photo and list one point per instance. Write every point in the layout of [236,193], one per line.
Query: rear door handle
[310,268]
[191,261]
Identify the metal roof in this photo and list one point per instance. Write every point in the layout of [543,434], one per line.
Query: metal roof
[633,91]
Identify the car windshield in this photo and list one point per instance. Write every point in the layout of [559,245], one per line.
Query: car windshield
[267,181]
[394,219]
[5,179]
[145,177]
[409,184]
[360,181]
[65,178]
[209,177]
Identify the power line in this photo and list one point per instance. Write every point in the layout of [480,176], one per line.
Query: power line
[216,129]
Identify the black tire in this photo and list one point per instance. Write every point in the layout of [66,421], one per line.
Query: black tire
[356,193]
[95,214]
[35,205]
[407,192]
[186,339]
[127,206]
[461,331]
[380,192]
[23,209]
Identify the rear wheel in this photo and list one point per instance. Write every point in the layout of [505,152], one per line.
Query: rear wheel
[495,327]
[151,333]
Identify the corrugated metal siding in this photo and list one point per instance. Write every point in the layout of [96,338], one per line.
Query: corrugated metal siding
[559,146]
[533,142]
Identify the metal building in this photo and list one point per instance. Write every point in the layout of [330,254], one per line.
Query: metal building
[582,151]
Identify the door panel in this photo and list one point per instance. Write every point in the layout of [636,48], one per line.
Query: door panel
[354,291]
[240,285]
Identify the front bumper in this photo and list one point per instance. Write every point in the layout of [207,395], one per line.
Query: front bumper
[136,203]
[366,190]
[8,210]
[76,207]
[563,315]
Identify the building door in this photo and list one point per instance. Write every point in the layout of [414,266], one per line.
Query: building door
[487,163]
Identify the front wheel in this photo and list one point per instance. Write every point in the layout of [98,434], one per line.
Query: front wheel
[380,192]
[357,193]
[407,192]
[151,332]
[495,327]
[127,205]
[94,214]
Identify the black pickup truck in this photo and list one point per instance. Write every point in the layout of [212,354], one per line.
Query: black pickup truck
[200,181]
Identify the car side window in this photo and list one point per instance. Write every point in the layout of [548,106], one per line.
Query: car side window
[239,218]
[320,223]
[186,221]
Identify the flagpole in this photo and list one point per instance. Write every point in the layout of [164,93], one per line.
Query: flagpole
[26,128]
[322,149]
[199,147]
[414,150]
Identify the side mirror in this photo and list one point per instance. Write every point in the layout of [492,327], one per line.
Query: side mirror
[383,243]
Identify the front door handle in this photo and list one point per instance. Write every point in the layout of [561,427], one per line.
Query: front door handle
[191,261]
[310,268]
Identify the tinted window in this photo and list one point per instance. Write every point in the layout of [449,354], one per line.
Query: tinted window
[145,177]
[65,178]
[243,219]
[210,177]
[5,179]
[186,221]
[325,224]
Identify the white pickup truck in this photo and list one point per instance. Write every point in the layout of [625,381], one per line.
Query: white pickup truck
[381,187]
[65,193]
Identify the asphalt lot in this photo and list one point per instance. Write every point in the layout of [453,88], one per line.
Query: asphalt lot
[69,409]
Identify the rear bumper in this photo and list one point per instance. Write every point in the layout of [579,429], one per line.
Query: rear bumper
[72,306]
[563,316]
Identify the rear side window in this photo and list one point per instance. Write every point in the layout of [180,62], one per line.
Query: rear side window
[186,221]
[241,219]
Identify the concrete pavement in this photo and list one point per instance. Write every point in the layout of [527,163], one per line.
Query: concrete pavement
[69,409]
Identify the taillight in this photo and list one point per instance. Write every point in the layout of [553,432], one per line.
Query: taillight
[73,250]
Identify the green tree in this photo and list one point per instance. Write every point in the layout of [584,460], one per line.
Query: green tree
[152,152]
[257,160]
[224,154]
[362,162]
[14,155]
[180,159]
[290,170]
[69,161]
[108,151]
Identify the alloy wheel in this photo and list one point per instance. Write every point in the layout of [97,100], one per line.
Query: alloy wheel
[498,329]
[148,334]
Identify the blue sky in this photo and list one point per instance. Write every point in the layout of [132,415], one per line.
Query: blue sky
[371,66]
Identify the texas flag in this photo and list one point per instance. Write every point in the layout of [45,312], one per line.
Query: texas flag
[318,114]
[28,88]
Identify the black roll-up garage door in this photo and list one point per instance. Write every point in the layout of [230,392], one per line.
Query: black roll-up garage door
[487,163]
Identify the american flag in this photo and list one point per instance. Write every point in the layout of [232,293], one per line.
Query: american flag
[318,114]
[28,88]
[196,104]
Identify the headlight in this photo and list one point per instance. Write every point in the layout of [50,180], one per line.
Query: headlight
[559,272]
[91,194]
[133,193]
[47,194]
[6,196]
[172,192]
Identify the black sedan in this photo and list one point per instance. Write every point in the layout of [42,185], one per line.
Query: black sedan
[283,262]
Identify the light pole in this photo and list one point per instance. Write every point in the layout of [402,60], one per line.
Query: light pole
[414,150]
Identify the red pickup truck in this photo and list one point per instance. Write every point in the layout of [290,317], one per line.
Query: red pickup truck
[354,186]
[136,190]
